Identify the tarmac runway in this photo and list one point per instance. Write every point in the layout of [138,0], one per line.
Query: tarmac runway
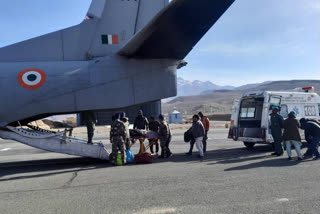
[231,179]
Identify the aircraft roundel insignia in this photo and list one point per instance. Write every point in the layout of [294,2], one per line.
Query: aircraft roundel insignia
[31,78]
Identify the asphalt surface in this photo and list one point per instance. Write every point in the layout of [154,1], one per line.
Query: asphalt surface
[231,179]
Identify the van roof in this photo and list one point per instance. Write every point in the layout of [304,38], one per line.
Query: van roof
[261,93]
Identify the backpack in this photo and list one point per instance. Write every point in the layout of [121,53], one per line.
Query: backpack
[188,135]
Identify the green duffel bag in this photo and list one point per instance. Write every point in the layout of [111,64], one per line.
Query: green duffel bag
[119,160]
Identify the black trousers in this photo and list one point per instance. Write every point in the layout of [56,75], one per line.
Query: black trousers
[152,143]
[204,141]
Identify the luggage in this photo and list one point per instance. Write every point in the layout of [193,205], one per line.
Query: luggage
[119,160]
[143,158]
[188,136]
[130,156]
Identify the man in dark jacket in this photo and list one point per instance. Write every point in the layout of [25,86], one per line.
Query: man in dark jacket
[312,136]
[291,135]
[154,126]
[89,119]
[276,130]
[141,122]
[198,133]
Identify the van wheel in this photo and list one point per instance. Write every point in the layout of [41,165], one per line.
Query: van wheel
[249,145]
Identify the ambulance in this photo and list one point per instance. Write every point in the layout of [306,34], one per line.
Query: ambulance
[250,120]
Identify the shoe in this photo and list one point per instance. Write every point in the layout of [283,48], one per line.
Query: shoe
[316,158]
[161,156]
[274,153]
[189,153]
[90,143]
[169,155]
[307,156]
[289,158]
[299,159]
[199,156]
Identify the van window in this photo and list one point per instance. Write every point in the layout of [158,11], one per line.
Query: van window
[319,109]
[275,100]
[284,111]
[248,112]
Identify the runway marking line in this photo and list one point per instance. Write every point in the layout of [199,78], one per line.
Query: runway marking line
[158,211]
[5,149]
[282,200]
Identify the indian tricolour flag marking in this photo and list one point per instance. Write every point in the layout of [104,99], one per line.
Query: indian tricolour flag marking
[110,39]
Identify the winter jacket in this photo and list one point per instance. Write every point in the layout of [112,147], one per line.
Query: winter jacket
[197,129]
[206,123]
[311,129]
[141,122]
[291,129]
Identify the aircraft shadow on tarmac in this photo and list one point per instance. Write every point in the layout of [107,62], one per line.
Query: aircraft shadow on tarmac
[48,167]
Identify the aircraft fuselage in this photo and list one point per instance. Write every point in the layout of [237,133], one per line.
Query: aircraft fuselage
[111,82]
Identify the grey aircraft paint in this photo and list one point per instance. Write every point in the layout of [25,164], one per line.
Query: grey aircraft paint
[125,53]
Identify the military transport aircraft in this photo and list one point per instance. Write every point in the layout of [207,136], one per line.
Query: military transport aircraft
[125,53]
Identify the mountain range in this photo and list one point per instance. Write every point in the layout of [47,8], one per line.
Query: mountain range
[187,88]
[220,101]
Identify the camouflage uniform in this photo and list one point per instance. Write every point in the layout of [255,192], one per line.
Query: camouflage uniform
[118,135]
[164,136]
[125,120]
[89,119]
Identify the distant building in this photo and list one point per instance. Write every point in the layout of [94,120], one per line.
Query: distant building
[175,117]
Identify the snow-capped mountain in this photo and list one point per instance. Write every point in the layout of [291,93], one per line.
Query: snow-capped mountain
[187,88]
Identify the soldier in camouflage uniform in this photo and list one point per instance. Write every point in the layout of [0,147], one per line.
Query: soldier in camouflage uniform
[125,120]
[164,136]
[118,135]
[89,119]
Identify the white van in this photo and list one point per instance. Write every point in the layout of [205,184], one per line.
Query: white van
[250,120]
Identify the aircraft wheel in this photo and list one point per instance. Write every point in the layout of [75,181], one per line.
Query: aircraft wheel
[249,145]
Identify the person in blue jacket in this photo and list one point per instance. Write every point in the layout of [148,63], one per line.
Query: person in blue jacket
[312,136]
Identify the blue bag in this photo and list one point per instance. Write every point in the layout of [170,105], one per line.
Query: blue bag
[130,156]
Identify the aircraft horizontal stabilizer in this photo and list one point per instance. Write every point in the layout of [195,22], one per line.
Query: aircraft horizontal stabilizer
[176,29]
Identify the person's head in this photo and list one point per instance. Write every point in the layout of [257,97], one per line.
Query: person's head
[292,114]
[117,116]
[122,114]
[195,117]
[275,109]
[161,117]
[200,114]
[152,118]
[303,122]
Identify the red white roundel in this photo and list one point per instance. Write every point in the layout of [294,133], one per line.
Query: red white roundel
[31,78]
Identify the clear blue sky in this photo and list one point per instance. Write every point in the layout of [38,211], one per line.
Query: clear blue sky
[254,41]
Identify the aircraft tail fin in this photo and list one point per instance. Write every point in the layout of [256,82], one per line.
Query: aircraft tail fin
[176,29]
[109,25]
